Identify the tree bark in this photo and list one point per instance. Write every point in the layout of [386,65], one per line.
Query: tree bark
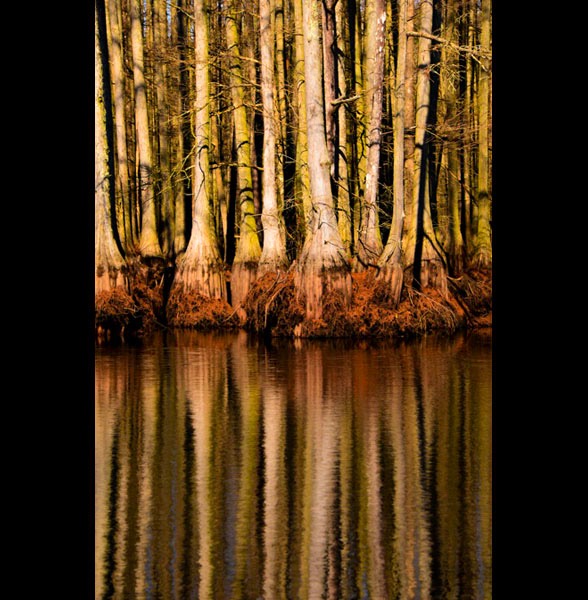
[248,248]
[322,266]
[122,190]
[148,241]
[423,251]
[455,246]
[108,260]
[162,124]
[369,245]
[273,256]
[391,260]
[344,217]
[302,181]
[200,269]
[180,85]
[483,251]
[329,38]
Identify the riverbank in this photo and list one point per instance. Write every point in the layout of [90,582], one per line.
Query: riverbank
[271,308]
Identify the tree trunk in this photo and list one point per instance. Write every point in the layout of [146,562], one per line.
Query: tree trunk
[391,263]
[148,242]
[122,192]
[422,250]
[455,246]
[369,245]
[273,256]
[322,267]
[248,249]
[344,217]
[483,251]
[108,260]
[162,124]
[409,129]
[329,38]
[302,181]
[180,84]
[200,269]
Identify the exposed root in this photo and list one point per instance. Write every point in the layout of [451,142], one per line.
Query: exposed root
[189,309]
[272,308]
[134,312]
[474,290]
[271,305]
[120,315]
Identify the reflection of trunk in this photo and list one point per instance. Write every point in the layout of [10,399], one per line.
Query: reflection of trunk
[391,259]
[246,581]
[273,256]
[322,265]
[369,245]
[417,551]
[146,548]
[108,259]
[202,412]
[149,242]
[447,483]
[324,425]
[376,570]
[275,499]
[104,444]
[248,250]
[200,269]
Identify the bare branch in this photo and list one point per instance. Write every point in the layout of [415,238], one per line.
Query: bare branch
[344,100]
[473,51]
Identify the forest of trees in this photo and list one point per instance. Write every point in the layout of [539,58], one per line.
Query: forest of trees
[275,163]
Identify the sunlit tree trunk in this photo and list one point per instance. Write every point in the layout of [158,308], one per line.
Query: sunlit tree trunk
[120,118]
[166,203]
[369,246]
[273,256]
[360,150]
[302,180]
[329,39]
[344,216]
[179,78]
[455,245]
[280,108]
[423,251]
[108,260]
[149,241]
[409,132]
[322,265]
[248,249]
[483,247]
[200,269]
[391,261]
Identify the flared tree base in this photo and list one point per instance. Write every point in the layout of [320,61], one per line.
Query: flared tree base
[243,275]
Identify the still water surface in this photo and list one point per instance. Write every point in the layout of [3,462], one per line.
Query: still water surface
[227,468]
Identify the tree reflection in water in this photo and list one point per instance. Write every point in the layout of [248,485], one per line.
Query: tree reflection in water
[229,468]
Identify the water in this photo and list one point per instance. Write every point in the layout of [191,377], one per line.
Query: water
[227,469]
